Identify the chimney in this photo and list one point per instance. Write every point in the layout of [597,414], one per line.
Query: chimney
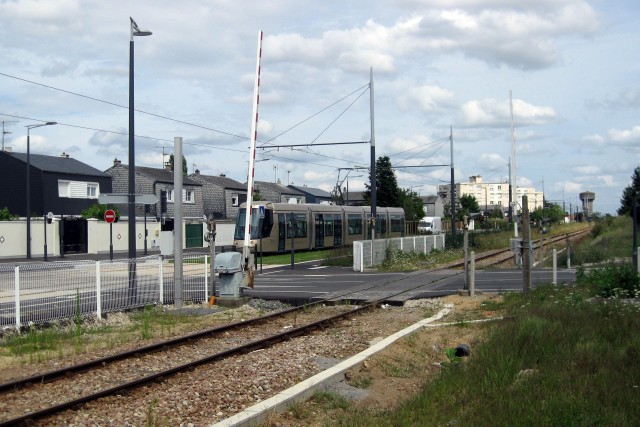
[167,166]
[223,175]
[197,172]
[65,155]
[116,162]
[8,149]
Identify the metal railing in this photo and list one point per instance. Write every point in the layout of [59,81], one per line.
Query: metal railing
[367,253]
[44,292]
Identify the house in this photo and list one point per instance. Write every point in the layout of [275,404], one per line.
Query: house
[313,195]
[278,193]
[433,206]
[58,184]
[154,181]
[221,196]
[355,198]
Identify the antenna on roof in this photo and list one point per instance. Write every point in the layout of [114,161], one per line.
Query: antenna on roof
[6,132]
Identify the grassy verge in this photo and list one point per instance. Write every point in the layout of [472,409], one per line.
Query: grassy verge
[47,343]
[564,357]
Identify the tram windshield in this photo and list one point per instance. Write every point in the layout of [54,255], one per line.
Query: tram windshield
[267,223]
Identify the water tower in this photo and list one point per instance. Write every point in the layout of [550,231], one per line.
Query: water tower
[587,199]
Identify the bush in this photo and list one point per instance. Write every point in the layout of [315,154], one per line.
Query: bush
[612,280]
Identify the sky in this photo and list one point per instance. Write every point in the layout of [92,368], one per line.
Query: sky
[439,67]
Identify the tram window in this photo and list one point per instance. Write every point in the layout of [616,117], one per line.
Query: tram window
[354,224]
[328,225]
[397,223]
[300,225]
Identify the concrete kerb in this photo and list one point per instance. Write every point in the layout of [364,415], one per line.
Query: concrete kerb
[257,413]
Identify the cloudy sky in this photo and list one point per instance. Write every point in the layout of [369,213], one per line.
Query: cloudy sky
[572,67]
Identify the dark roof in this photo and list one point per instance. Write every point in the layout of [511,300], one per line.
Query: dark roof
[354,195]
[278,188]
[58,164]
[222,181]
[316,192]
[162,175]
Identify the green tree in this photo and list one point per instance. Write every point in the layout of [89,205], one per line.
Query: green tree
[388,193]
[184,164]
[412,205]
[5,215]
[468,204]
[97,211]
[631,192]
[552,212]
[257,197]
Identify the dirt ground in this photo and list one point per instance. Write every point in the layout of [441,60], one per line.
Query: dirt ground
[400,370]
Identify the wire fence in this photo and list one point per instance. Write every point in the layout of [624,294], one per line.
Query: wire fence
[43,292]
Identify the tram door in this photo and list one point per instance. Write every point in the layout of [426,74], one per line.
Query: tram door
[319,220]
[282,231]
[337,230]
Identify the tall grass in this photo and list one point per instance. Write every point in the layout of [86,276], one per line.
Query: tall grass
[563,358]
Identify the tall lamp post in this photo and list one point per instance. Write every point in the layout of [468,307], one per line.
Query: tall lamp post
[29,127]
[135,31]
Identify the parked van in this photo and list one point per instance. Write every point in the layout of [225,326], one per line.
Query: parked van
[430,225]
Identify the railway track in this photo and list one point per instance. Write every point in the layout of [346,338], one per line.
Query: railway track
[242,341]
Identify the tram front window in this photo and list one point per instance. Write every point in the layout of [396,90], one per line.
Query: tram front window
[240,224]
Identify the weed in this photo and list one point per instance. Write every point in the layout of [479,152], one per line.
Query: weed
[362,382]
[452,359]
[327,401]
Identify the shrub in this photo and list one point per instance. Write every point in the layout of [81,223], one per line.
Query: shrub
[612,280]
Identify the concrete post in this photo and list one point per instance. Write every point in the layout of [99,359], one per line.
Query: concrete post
[526,249]
[554,279]
[466,258]
[472,275]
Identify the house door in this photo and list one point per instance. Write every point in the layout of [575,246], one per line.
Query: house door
[193,235]
[73,235]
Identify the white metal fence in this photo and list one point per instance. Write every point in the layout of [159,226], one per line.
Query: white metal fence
[42,292]
[367,253]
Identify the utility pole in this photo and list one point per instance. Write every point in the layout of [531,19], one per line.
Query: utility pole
[512,167]
[453,188]
[526,252]
[374,199]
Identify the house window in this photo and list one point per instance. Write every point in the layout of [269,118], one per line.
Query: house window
[78,189]
[92,191]
[235,200]
[188,196]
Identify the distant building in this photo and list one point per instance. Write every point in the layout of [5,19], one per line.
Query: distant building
[58,184]
[433,206]
[355,198]
[278,193]
[491,195]
[154,181]
[221,196]
[313,195]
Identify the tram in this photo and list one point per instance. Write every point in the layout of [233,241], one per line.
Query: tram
[276,226]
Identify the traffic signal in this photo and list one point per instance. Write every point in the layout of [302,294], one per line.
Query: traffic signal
[163,202]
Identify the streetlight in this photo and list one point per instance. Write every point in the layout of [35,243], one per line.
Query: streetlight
[29,127]
[135,31]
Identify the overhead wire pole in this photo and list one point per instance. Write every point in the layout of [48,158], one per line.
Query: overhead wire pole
[252,159]
[512,167]
[374,200]
[453,188]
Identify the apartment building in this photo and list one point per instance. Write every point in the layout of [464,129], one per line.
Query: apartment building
[492,195]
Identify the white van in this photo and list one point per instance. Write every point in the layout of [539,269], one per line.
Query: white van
[430,225]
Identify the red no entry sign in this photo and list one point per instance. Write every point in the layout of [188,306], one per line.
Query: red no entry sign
[109,216]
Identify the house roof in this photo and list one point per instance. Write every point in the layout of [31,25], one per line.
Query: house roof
[316,192]
[58,164]
[278,188]
[221,181]
[354,195]
[161,175]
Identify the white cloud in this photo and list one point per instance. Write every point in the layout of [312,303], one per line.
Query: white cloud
[496,113]
[427,98]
